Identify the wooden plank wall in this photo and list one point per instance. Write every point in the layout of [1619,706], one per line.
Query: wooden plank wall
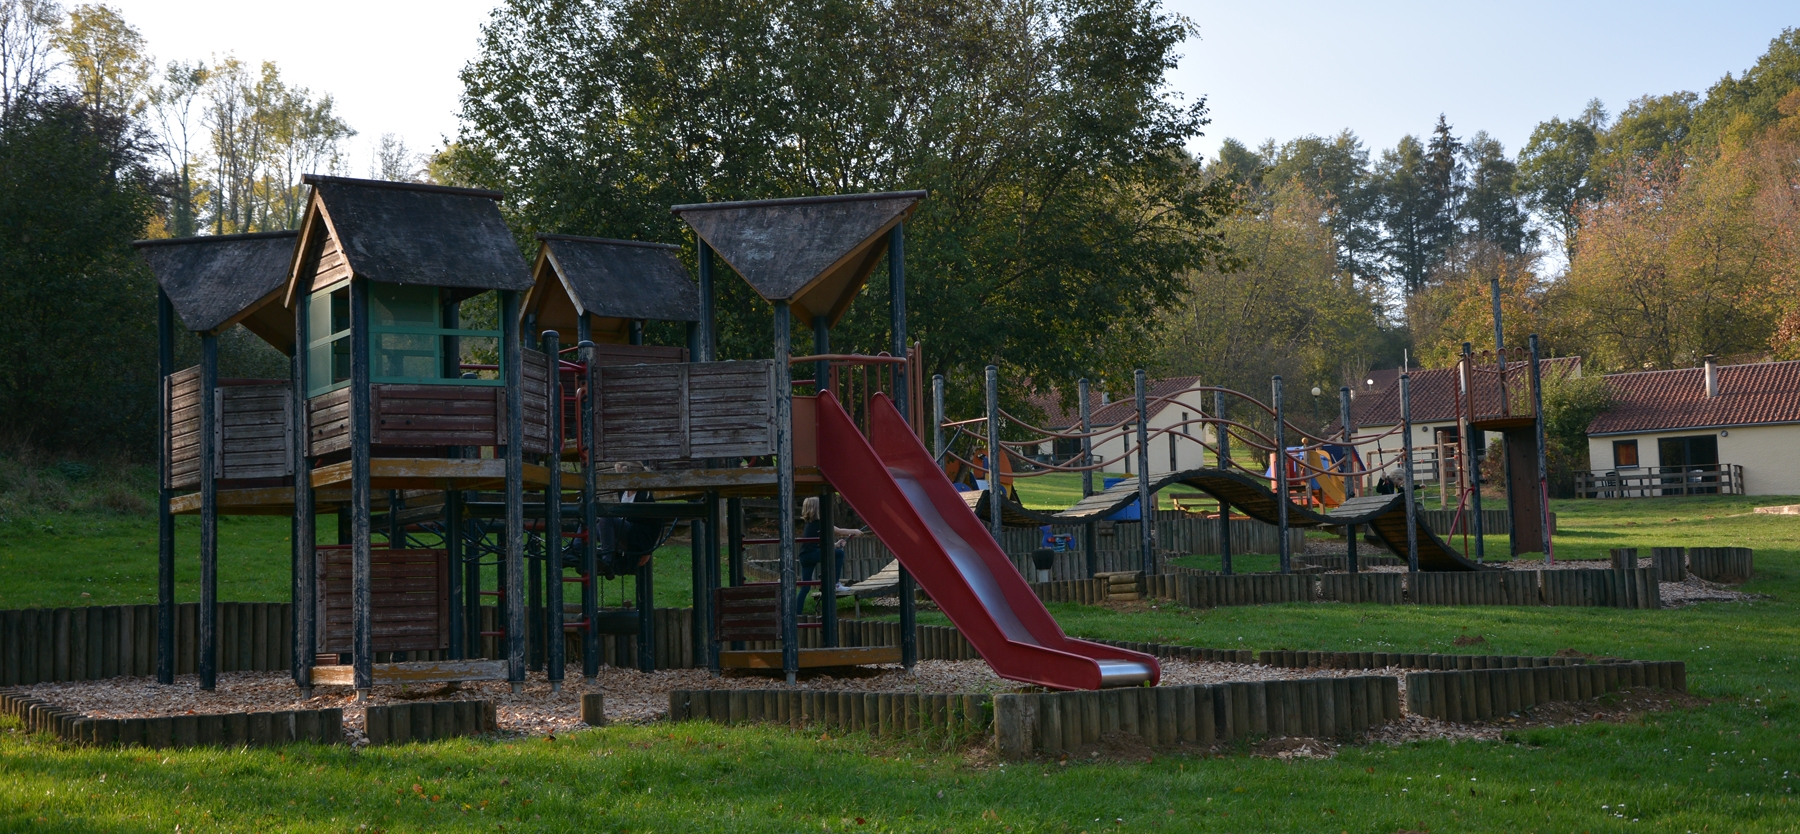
[436,415]
[409,600]
[535,397]
[686,411]
[328,423]
[184,427]
[255,430]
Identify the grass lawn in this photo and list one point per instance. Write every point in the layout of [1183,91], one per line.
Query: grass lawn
[1729,766]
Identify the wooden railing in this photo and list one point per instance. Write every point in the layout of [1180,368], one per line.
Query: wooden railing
[1653,481]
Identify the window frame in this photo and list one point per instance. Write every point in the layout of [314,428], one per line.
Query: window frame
[1636,454]
[377,330]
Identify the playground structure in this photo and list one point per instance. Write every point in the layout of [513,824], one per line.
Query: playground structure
[416,389]
[1327,476]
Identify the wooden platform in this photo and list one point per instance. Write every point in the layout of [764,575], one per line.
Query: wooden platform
[811,658]
[418,671]
[280,500]
[739,481]
[438,473]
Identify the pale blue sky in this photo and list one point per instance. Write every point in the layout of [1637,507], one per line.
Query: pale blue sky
[1268,69]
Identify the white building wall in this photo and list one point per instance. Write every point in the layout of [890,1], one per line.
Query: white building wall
[1770,455]
[1390,448]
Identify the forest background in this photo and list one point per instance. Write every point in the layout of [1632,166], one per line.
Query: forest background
[1069,234]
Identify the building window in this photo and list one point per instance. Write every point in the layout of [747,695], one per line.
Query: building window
[408,340]
[1625,454]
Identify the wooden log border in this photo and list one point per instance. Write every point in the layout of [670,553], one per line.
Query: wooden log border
[1289,659]
[323,726]
[1471,695]
[888,714]
[1730,565]
[428,721]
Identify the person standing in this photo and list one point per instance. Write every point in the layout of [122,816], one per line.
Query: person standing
[811,554]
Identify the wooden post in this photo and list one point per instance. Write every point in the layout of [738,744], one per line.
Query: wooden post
[646,608]
[1543,467]
[165,521]
[828,576]
[304,530]
[1406,483]
[1473,442]
[210,431]
[708,626]
[555,644]
[996,493]
[784,490]
[362,628]
[512,567]
[734,547]
[1090,531]
[1344,466]
[1146,499]
[1278,467]
[1223,436]
[909,642]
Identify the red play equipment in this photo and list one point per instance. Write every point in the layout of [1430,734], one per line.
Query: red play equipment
[898,489]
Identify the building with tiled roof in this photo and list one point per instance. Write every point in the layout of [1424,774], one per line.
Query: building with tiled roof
[1105,410]
[1715,428]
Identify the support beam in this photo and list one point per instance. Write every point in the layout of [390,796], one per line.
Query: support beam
[1090,531]
[1222,435]
[555,646]
[165,521]
[1474,443]
[909,648]
[1146,499]
[362,641]
[304,531]
[590,520]
[1278,467]
[784,489]
[1543,466]
[1344,466]
[210,432]
[828,575]
[1406,481]
[512,566]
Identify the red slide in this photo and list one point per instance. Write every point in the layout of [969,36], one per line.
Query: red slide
[893,483]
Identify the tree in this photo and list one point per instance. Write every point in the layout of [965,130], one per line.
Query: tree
[394,161]
[27,31]
[264,134]
[1336,170]
[1649,127]
[1492,206]
[1740,108]
[173,102]
[1556,173]
[112,70]
[1062,204]
[80,334]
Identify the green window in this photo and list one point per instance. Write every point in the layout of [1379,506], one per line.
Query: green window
[408,340]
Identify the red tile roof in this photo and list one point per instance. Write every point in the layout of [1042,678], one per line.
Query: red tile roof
[1113,411]
[1766,392]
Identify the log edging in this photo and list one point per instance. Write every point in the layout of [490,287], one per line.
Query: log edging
[1470,695]
[321,726]
[428,720]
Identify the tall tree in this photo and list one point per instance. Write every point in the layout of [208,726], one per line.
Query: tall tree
[173,103]
[1741,107]
[1062,202]
[1335,169]
[1556,173]
[112,69]
[1492,206]
[27,51]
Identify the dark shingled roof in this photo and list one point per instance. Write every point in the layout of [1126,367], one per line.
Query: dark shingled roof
[408,233]
[815,252]
[1766,392]
[211,281]
[624,278]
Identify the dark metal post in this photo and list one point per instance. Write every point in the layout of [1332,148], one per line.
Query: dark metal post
[453,556]
[909,636]
[1345,467]
[937,418]
[1499,333]
[1146,500]
[646,610]
[734,552]
[635,332]
[1543,465]
[710,625]
[1475,442]
[165,520]
[1090,530]
[784,490]
[590,517]
[304,533]
[996,492]
[1406,482]
[512,566]
[210,435]
[828,575]
[1278,466]
[362,652]
[555,639]
[1223,435]
[709,328]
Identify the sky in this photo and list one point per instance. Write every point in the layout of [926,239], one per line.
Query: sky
[1267,69]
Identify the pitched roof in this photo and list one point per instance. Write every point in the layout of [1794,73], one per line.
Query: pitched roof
[411,233]
[814,252]
[215,281]
[1434,394]
[609,279]
[1765,392]
[1112,411]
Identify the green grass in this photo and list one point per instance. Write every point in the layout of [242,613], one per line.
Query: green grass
[1723,767]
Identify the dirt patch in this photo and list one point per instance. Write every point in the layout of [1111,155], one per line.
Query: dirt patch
[1288,748]
[1469,640]
[1614,707]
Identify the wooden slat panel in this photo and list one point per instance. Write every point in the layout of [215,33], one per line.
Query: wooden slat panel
[328,421]
[409,600]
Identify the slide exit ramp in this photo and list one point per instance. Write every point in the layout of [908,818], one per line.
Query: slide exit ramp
[894,484]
